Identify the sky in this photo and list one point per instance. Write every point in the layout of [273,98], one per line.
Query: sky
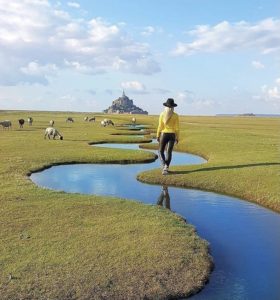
[212,57]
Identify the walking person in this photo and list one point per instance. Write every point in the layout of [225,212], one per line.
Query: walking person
[167,133]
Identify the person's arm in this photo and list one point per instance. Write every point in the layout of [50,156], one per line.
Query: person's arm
[177,130]
[160,127]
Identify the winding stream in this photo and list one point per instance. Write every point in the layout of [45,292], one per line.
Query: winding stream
[244,238]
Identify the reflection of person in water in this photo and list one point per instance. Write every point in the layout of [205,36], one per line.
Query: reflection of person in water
[164,198]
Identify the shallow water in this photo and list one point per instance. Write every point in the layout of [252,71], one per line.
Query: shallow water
[244,238]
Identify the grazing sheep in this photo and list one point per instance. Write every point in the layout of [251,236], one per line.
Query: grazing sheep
[107,122]
[69,119]
[6,124]
[51,123]
[110,122]
[133,120]
[21,122]
[92,119]
[85,119]
[30,121]
[50,131]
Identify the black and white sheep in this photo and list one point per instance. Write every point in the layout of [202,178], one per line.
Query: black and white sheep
[91,119]
[30,121]
[52,132]
[6,124]
[107,122]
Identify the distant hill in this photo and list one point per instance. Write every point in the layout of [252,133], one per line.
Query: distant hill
[124,105]
[249,115]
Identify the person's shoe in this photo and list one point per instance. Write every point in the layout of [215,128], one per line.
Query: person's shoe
[164,172]
[166,168]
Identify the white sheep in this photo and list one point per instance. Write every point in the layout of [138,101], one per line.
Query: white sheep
[133,120]
[50,131]
[51,123]
[6,124]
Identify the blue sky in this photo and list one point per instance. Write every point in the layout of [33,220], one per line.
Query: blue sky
[212,57]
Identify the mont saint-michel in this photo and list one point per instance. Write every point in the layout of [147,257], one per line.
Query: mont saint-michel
[124,105]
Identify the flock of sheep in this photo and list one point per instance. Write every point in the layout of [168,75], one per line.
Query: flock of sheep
[8,124]
[51,131]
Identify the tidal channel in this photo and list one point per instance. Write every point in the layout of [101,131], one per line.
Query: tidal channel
[244,237]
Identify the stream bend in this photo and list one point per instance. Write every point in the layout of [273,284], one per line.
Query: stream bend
[244,237]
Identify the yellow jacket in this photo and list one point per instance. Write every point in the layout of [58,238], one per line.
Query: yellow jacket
[172,125]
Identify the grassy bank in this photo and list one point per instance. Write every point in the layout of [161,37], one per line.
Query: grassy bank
[56,245]
[243,158]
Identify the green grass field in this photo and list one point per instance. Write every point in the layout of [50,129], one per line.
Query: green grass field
[243,156]
[56,245]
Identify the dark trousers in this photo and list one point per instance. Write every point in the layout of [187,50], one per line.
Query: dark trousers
[166,142]
[164,198]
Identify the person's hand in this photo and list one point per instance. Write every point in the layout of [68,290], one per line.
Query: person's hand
[176,141]
[158,139]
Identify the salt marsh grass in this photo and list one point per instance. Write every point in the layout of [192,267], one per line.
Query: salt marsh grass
[56,245]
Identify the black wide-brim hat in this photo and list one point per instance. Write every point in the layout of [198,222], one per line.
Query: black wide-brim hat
[170,103]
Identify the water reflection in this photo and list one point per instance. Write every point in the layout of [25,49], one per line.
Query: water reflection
[164,198]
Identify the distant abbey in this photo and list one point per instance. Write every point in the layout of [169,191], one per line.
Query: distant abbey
[124,105]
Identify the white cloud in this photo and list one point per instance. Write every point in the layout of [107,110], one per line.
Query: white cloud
[185,96]
[34,69]
[75,65]
[257,65]
[149,30]
[181,96]
[226,36]
[36,31]
[73,4]
[134,87]
[270,94]
[274,94]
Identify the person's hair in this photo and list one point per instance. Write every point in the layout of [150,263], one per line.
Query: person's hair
[168,111]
